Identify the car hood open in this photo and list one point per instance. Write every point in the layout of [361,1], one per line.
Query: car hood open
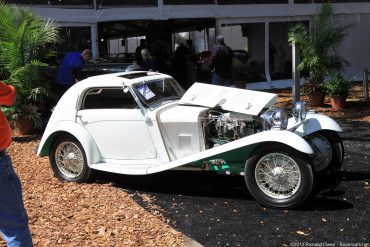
[228,98]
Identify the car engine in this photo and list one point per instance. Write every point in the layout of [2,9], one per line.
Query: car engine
[223,127]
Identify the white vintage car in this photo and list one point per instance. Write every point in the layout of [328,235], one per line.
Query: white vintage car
[142,122]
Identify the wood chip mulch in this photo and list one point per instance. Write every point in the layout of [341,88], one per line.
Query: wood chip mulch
[70,214]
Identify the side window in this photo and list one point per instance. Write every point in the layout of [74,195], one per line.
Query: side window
[108,98]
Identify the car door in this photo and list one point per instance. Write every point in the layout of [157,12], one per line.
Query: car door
[114,120]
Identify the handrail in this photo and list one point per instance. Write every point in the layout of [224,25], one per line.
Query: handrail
[365,82]
[366,85]
[359,73]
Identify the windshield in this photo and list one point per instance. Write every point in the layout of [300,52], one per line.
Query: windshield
[153,92]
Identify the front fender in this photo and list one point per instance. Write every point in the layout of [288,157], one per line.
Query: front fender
[240,150]
[314,122]
[74,129]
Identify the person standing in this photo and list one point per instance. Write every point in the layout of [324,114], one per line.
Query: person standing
[138,50]
[221,63]
[179,64]
[70,71]
[190,63]
[148,63]
[13,217]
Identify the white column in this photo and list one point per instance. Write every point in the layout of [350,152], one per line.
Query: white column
[267,51]
[296,75]
[94,40]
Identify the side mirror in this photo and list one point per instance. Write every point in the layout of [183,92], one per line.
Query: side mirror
[125,89]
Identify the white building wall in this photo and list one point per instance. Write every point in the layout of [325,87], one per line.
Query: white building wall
[356,46]
[355,49]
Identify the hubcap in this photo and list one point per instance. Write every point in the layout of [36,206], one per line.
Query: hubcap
[322,151]
[69,159]
[278,175]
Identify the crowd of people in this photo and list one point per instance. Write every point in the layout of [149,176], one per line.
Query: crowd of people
[184,64]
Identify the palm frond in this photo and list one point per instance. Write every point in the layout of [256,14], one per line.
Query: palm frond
[319,49]
[24,37]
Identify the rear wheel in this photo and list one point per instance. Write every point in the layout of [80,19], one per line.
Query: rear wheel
[279,177]
[68,160]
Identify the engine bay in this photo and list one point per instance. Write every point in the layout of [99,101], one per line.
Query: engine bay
[221,127]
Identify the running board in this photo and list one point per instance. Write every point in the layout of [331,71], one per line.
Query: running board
[135,169]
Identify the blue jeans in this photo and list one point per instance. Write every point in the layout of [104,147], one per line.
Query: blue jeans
[13,216]
[217,80]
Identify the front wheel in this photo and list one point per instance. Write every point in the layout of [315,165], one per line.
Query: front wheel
[279,177]
[68,160]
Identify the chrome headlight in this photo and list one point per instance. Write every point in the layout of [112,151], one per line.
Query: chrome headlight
[276,118]
[299,111]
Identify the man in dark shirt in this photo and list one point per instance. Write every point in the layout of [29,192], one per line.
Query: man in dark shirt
[221,63]
[190,63]
[70,71]
[148,63]
[138,57]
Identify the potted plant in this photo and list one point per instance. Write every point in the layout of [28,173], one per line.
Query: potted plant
[319,50]
[24,45]
[25,118]
[337,88]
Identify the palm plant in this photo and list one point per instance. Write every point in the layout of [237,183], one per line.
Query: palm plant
[24,41]
[318,50]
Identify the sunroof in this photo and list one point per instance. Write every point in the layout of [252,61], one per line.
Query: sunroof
[134,75]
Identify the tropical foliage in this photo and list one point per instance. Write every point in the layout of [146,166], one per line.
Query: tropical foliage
[319,55]
[24,45]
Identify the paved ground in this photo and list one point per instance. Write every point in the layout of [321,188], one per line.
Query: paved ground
[218,210]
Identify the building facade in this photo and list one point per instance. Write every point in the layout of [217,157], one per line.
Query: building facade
[257,26]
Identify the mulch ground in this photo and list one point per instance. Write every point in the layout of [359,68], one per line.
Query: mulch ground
[70,214]
[99,214]
[356,109]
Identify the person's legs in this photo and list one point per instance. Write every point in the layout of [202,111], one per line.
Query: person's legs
[13,216]
[216,80]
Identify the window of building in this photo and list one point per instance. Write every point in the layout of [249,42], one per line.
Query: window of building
[136,3]
[331,1]
[226,2]
[84,3]
[108,98]
[187,2]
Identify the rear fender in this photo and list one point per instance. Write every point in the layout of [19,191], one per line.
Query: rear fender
[76,130]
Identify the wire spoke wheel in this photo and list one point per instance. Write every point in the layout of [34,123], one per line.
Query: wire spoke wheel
[278,175]
[69,159]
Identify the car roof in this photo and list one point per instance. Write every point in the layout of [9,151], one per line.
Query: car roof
[121,78]
[67,103]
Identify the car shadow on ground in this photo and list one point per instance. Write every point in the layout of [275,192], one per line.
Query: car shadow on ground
[202,184]
[354,176]
[166,185]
